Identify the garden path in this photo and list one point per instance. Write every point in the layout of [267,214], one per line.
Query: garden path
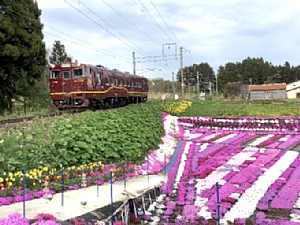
[72,199]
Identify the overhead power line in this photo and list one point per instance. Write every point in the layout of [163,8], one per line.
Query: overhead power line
[165,22]
[106,28]
[74,38]
[146,11]
[130,22]
[91,19]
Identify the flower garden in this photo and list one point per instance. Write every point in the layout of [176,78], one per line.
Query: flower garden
[239,170]
[47,180]
[255,162]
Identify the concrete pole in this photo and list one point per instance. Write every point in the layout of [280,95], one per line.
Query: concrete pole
[181,71]
[133,60]
[173,84]
[197,83]
[217,85]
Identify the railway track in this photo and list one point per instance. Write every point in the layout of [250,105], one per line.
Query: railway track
[28,118]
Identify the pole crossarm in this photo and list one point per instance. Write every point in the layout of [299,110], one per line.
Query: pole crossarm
[156,58]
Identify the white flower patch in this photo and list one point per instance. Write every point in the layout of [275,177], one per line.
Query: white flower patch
[294,216]
[283,139]
[187,124]
[182,163]
[235,195]
[261,140]
[225,138]
[210,136]
[247,203]
[209,181]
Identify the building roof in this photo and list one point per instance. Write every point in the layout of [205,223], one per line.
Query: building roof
[293,86]
[266,87]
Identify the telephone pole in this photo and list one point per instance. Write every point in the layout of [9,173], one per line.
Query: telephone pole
[173,84]
[181,72]
[198,83]
[133,60]
[217,85]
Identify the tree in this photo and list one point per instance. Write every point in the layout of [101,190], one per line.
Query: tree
[206,75]
[59,54]
[22,50]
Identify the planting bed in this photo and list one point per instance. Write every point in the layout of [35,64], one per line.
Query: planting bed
[255,162]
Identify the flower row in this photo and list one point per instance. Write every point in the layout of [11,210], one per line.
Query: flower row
[254,179]
[265,125]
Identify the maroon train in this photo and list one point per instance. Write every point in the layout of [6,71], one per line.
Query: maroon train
[74,85]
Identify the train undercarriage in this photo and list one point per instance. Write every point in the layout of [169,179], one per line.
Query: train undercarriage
[94,104]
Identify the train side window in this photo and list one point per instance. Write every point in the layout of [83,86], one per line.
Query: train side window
[132,83]
[98,79]
[66,75]
[120,82]
[54,74]
[128,83]
[112,81]
[117,82]
[106,81]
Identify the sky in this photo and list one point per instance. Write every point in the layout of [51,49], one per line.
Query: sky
[107,32]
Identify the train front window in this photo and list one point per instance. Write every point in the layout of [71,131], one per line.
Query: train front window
[54,74]
[78,73]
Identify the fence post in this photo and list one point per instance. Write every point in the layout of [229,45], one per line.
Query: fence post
[111,199]
[124,175]
[24,189]
[218,203]
[62,183]
[165,162]
[97,180]
[148,167]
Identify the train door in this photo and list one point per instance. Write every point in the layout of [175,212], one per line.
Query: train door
[144,86]
[66,81]
[55,81]
[91,79]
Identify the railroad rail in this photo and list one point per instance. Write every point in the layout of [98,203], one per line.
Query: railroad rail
[28,118]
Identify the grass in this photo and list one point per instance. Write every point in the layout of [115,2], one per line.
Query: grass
[218,108]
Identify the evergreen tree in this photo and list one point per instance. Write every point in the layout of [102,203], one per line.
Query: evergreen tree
[22,50]
[59,54]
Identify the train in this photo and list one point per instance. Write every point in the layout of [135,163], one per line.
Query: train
[84,86]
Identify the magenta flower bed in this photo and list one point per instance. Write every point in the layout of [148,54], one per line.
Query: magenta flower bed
[257,182]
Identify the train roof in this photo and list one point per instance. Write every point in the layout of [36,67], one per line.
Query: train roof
[83,65]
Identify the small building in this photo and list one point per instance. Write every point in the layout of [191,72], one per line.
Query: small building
[267,91]
[293,90]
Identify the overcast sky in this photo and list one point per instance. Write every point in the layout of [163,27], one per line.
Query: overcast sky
[106,32]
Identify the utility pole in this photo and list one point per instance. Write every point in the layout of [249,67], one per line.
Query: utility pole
[198,83]
[217,85]
[181,71]
[173,84]
[133,60]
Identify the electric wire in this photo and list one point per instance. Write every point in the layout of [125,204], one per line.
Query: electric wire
[91,19]
[129,22]
[190,55]
[75,40]
[146,11]
[165,22]
[105,28]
